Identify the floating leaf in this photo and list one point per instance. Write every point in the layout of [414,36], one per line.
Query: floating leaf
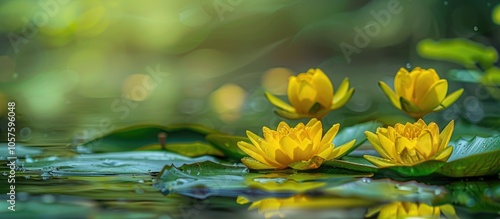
[355,132]
[228,144]
[361,165]
[134,137]
[476,157]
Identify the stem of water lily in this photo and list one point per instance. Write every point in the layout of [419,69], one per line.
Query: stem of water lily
[162,138]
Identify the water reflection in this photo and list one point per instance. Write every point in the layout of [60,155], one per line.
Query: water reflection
[411,210]
[303,205]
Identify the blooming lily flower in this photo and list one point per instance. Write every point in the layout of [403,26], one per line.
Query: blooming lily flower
[311,95]
[301,147]
[410,144]
[412,210]
[419,92]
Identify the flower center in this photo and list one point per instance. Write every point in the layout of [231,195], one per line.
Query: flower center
[411,132]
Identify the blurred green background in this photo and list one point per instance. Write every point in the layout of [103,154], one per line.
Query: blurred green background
[79,69]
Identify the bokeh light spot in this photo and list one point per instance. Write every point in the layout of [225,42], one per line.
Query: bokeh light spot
[136,87]
[275,80]
[227,101]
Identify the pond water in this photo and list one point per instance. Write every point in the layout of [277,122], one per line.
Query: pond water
[157,184]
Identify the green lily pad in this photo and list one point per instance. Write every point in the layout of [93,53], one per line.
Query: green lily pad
[362,165]
[134,137]
[187,149]
[476,157]
[210,168]
[228,144]
[355,132]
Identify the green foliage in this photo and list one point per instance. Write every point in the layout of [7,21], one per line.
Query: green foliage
[461,51]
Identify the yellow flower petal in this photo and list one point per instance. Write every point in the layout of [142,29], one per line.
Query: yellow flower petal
[401,144]
[389,211]
[379,162]
[315,131]
[253,152]
[449,100]
[307,95]
[253,137]
[342,150]
[448,211]
[373,139]
[387,145]
[312,163]
[326,152]
[283,126]
[403,84]
[342,91]
[330,134]
[323,87]
[423,83]
[434,96]
[256,165]
[287,145]
[445,136]
[341,102]
[279,103]
[444,154]
[389,93]
[242,200]
[282,158]
[424,143]
[289,115]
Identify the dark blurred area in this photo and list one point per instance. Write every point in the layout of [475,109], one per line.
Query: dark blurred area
[83,68]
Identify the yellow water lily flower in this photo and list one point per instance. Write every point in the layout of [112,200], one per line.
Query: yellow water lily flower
[410,144]
[301,147]
[412,210]
[419,92]
[311,95]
